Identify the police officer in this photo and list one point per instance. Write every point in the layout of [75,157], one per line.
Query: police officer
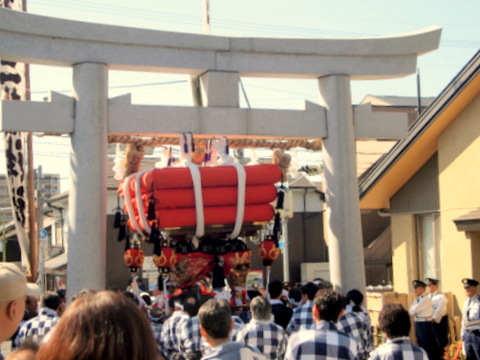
[471,320]
[440,317]
[422,311]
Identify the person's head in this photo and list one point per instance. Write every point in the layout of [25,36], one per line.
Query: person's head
[355,298]
[275,289]
[261,309]
[470,286]
[105,325]
[215,320]
[190,305]
[432,284]
[82,293]
[309,290]
[418,287]
[328,305]
[14,289]
[52,301]
[394,321]
[31,304]
[63,294]
[295,297]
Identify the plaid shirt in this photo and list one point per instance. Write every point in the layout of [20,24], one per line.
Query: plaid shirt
[324,341]
[398,349]
[302,318]
[354,325]
[36,328]
[157,332]
[169,335]
[190,340]
[266,336]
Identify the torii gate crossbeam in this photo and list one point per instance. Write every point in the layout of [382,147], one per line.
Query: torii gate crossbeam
[92,50]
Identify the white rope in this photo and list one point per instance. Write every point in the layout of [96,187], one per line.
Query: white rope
[241,176]
[140,205]
[186,147]
[222,149]
[128,199]
[197,189]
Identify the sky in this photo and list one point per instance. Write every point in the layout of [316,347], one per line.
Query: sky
[266,18]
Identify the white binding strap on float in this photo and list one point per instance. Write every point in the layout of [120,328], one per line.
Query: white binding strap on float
[140,206]
[242,181]
[222,149]
[128,199]
[197,190]
[186,147]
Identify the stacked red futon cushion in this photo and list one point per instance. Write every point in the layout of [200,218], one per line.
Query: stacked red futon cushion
[174,196]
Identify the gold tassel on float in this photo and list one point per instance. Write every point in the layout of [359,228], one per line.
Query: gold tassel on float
[133,157]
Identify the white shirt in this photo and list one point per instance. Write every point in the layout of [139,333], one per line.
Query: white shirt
[439,303]
[421,308]
[471,314]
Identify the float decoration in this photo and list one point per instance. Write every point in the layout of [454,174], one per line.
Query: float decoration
[134,257]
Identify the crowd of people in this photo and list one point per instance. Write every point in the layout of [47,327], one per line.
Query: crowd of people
[305,322]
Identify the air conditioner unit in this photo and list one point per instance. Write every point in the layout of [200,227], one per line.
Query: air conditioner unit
[310,271]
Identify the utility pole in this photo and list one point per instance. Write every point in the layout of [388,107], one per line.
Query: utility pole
[41,240]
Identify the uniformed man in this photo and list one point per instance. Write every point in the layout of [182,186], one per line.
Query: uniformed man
[422,311]
[440,317]
[471,320]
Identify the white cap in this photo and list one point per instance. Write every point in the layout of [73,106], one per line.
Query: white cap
[14,283]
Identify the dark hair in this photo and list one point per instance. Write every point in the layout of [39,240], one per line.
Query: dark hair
[215,317]
[62,293]
[252,294]
[356,297]
[101,326]
[310,289]
[51,300]
[190,305]
[329,303]
[295,294]
[261,308]
[275,288]
[131,296]
[394,321]
[204,298]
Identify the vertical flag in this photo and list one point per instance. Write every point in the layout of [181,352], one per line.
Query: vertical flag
[13,86]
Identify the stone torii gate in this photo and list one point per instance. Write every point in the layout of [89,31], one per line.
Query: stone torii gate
[92,50]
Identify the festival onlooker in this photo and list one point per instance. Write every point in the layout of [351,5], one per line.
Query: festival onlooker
[440,317]
[324,341]
[157,317]
[422,311]
[394,322]
[261,332]
[280,311]
[169,342]
[36,328]
[14,287]
[215,326]
[302,317]
[471,320]
[105,325]
[354,325]
[355,304]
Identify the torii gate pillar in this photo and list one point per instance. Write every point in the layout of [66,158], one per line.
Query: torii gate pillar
[87,233]
[344,231]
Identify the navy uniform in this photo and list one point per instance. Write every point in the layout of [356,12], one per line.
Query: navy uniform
[471,320]
[440,317]
[422,311]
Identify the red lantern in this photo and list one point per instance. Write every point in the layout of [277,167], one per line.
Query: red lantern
[134,258]
[165,260]
[268,251]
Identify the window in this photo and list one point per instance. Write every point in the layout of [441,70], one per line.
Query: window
[428,254]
